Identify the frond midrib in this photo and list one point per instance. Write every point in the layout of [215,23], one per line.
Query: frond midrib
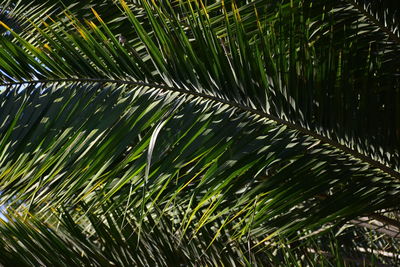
[253,111]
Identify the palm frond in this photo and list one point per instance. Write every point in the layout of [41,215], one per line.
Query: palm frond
[384,14]
[97,148]
[220,122]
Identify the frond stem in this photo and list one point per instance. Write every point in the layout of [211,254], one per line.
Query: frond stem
[291,125]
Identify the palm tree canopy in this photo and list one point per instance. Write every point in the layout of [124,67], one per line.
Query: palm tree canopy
[199,132]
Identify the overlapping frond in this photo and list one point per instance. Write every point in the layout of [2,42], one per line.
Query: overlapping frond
[114,238]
